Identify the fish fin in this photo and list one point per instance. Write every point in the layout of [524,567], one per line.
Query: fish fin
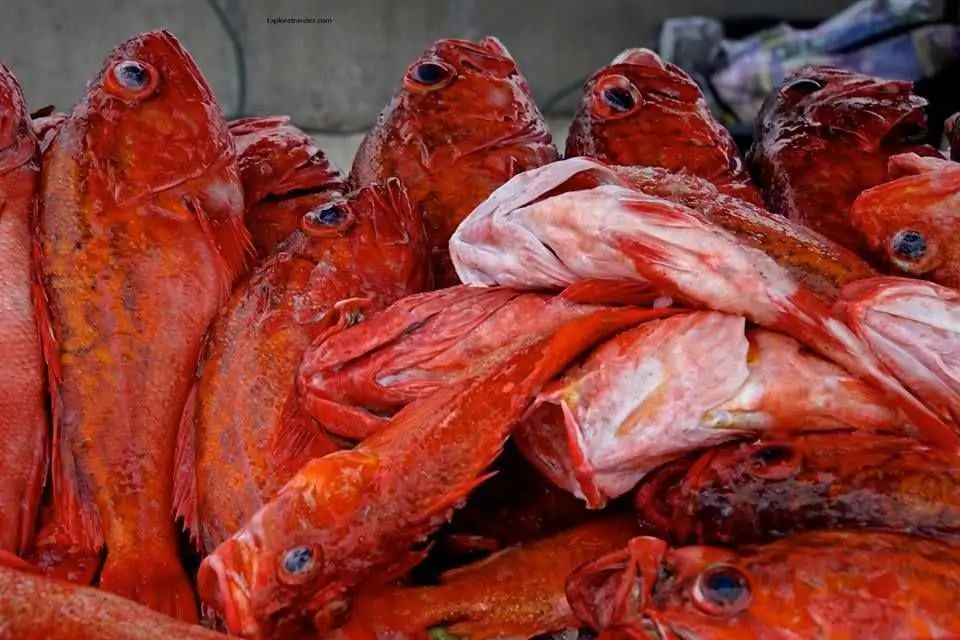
[75,521]
[610,291]
[343,420]
[185,501]
[158,583]
[12,561]
[232,240]
[297,439]
[583,470]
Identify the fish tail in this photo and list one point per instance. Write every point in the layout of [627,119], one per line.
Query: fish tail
[158,582]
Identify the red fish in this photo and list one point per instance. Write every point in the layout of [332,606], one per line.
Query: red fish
[352,381]
[354,516]
[141,237]
[823,585]
[824,136]
[463,122]
[642,111]
[24,423]
[743,493]
[516,593]
[239,446]
[284,176]
[913,220]
[33,607]
[913,328]
[656,392]
[515,240]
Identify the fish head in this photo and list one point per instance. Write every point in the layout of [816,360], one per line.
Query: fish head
[149,120]
[18,142]
[912,221]
[638,104]
[290,560]
[829,103]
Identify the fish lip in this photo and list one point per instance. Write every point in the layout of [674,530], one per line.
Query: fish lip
[226,593]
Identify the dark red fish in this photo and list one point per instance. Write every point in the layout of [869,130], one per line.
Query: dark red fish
[642,111]
[813,585]
[742,493]
[284,176]
[824,136]
[243,434]
[24,423]
[463,123]
[141,238]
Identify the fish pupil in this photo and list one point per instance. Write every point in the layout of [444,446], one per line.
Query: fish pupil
[910,245]
[298,560]
[429,73]
[803,86]
[131,75]
[724,587]
[329,217]
[774,454]
[619,98]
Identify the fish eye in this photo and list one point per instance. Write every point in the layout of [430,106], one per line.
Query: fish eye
[615,96]
[429,75]
[774,462]
[909,245]
[801,87]
[132,79]
[330,216]
[299,564]
[619,99]
[722,590]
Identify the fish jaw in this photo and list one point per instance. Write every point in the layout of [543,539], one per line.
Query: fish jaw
[224,590]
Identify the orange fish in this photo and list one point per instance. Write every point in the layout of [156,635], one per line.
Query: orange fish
[658,391]
[642,111]
[354,516]
[814,585]
[516,593]
[24,423]
[33,607]
[913,328]
[824,136]
[237,451]
[284,176]
[912,221]
[141,237]
[742,493]
[532,234]
[463,122]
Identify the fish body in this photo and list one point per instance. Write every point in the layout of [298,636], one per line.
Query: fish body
[641,111]
[822,584]
[750,492]
[34,607]
[516,593]
[912,220]
[243,431]
[284,175]
[913,328]
[353,517]
[463,122]
[141,237]
[533,234]
[813,260]
[24,422]
[660,390]
[824,136]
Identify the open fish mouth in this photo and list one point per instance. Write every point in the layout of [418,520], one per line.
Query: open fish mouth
[226,591]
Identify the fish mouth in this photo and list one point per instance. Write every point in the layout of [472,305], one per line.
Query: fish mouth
[226,591]
[908,130]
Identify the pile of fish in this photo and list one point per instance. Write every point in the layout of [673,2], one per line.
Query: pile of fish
[471,389]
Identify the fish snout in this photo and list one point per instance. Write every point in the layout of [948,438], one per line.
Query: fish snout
[221,589]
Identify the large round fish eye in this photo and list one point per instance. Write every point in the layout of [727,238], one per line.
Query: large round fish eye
[909,245]
[801,87]
[132,79]
[298,565]
[329,216]
[774,462]
[722,590]
[615,96]
[428,75]
[619,99]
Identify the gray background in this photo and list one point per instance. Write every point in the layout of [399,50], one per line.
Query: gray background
[334,78]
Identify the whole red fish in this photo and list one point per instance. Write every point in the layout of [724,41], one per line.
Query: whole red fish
[516,593]
[824,136]
[614,232]
[814,585]
[657,391]
[463,122]
[354,516]
[141,237]
[284,175]
[24,428]
[243,434]
[33,607]
[642,111]
[743,493]
[912,220]
[913,328]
